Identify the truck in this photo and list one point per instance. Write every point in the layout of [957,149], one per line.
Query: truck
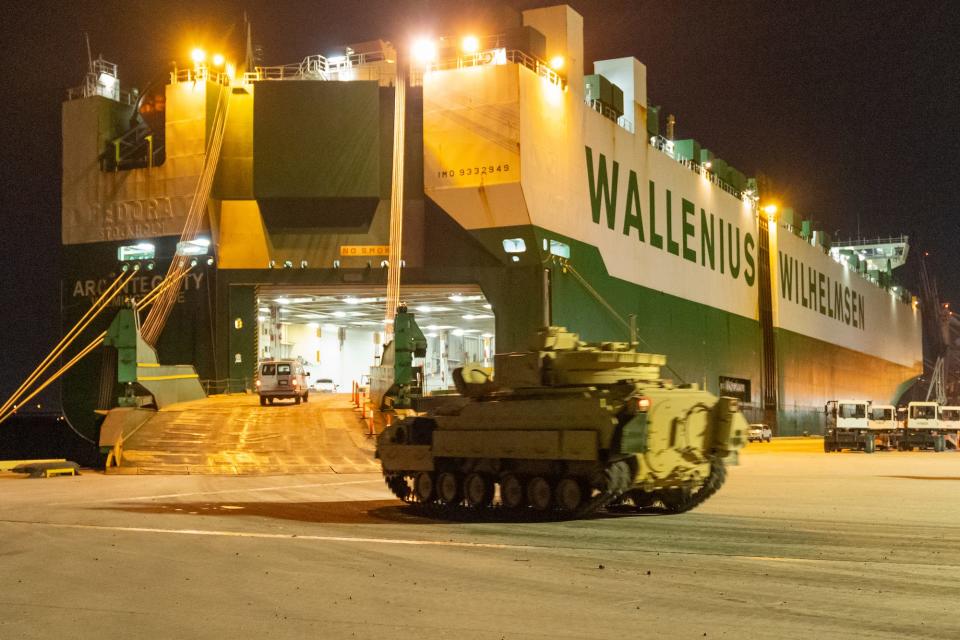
[848,427]
[922,428]
[950,425]
[882,421]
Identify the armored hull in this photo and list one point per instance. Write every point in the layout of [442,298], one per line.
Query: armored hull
[599,427]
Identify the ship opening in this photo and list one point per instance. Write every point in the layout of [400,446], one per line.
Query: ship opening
[338,332]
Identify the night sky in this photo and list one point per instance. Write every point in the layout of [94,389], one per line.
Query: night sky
[851,108]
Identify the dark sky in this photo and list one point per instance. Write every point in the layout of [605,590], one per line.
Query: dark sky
[851,108]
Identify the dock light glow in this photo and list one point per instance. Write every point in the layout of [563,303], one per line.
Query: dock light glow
[198,55]
[557,62]
[218,60]
[424,50]
[470,44]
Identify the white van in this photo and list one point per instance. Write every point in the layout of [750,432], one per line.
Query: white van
[281,379]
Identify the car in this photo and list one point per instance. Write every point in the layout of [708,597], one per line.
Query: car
[282,379]
[325,385]
[759,433]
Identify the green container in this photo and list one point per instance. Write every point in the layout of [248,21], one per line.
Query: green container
[787,216]
[736,179]
[653,120]
[617,103]
[688,149]
[596,87]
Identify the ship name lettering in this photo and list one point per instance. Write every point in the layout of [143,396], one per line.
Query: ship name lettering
[139,286]
[128,211]
[723,245]
[817,291]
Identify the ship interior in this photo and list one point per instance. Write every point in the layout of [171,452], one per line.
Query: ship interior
[337,333]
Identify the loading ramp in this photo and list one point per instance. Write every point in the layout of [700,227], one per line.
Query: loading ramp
[234,435]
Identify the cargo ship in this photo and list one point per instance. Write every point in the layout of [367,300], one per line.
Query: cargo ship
[532,194]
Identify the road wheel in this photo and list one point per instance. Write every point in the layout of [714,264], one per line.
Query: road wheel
[939,444]
[569,494]
[511,491]
[641,499]
[263,401]
[869,445]
[477,490]
[675,499]
[270,400]
[827,446]
[296,400]
[539,493]
[306,396]
[424,487]
[448,488]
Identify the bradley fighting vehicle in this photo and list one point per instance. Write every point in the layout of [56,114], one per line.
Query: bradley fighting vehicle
[568,427]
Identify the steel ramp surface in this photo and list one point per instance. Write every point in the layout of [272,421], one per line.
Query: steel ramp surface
[231,435]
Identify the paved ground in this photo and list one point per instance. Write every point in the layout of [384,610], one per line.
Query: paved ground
[798,544]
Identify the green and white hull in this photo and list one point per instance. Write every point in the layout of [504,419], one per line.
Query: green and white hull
[514,186]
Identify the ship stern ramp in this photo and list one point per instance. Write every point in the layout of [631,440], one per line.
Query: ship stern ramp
[233,435]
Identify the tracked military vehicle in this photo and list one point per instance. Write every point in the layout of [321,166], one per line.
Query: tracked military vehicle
[567,428]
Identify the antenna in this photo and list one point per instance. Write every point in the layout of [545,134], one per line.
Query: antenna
[249,55]
[86,36]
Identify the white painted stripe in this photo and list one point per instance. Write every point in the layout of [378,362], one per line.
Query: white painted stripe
[223,491]
[275,536]
[471,545]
